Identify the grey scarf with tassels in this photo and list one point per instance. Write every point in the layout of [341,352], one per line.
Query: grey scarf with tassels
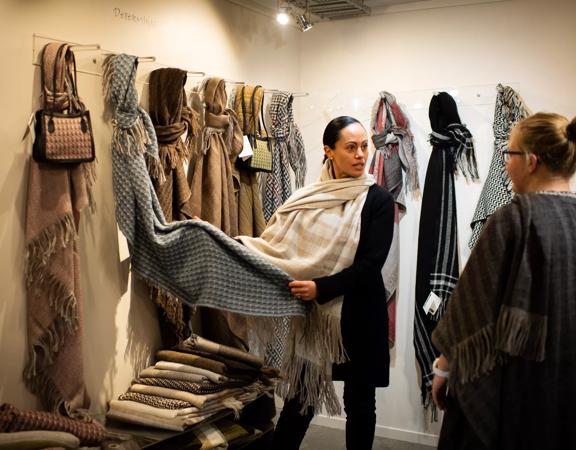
[190,259]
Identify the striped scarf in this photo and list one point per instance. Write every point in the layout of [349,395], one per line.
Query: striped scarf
[395,153]
[497,189]
[437,265]
[288,152]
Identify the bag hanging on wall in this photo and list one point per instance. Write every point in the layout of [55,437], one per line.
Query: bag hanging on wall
[261,160]
[63,137]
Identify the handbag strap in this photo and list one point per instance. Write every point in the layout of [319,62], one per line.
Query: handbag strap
[256,115]
[243,110]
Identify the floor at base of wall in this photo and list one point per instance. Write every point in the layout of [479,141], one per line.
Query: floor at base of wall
[324,438]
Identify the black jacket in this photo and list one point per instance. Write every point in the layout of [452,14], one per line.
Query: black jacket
[364,311]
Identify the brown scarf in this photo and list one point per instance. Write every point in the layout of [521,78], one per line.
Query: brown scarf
[56,196]
[172,118]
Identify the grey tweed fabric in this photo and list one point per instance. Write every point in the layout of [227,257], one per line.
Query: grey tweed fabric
[190,259]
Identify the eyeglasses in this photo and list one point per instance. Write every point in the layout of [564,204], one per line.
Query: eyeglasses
[507,154]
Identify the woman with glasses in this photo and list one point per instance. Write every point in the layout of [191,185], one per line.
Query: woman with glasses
[507,370]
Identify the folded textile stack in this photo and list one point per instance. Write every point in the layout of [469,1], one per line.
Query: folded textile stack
[21,429]
[187,385]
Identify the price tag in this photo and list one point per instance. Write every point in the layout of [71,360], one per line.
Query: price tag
[247,151]
[432,303]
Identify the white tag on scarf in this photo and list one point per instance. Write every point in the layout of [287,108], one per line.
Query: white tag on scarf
[432,303]
[247,151]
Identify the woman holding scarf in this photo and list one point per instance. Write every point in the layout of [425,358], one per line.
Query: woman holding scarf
[508,339]
[360,287]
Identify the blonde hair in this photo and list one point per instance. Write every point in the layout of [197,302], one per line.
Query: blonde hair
[552,138]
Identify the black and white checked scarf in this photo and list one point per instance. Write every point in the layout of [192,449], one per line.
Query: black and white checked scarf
[437,265]
[497,191]
[190,259]
[288,152]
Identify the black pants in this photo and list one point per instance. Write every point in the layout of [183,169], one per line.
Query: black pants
[360,408]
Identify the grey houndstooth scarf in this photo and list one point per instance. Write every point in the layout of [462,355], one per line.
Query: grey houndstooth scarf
[288,152]
[190,259]
[497,191]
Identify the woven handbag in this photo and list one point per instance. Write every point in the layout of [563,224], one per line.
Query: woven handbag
[261,160]
[64,137]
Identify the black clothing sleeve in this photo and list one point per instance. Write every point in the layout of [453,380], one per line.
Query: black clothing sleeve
[376,231]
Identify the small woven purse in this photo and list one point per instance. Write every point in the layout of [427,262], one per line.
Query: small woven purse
[63,137]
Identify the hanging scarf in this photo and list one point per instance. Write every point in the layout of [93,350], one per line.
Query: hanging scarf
[214,195]
[56,196]
[514,305]
[497,189]
[191,260]
[395,153]
[288,151]
[172,119]
[315,233]
[437,265]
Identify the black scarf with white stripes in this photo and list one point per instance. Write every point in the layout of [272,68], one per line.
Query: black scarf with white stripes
[437,264]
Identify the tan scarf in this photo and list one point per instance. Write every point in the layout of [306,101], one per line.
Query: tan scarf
[213,196]
[243,107]
[56,196]
[315,234]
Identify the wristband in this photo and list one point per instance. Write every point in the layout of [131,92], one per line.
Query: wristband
[439,372]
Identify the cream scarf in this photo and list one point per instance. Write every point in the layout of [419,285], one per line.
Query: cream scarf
[314,234]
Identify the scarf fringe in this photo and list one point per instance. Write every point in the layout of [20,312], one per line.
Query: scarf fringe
[172,308]
[516,333]
[520,333]
[52,238]
[173,155]
[41,356]
[312,384]
[475,356]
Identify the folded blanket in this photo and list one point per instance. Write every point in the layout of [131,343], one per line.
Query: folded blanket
[197,343]
[38,439]
[90,432]
[194,399]
[207,363]
[172,375]
[185,368]
[194,388]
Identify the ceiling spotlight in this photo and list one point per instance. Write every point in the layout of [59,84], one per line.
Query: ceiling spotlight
[303,22]
[283,18]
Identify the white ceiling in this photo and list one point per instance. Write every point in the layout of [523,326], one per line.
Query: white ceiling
[377,7]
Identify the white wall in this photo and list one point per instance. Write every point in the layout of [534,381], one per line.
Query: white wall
[467,50]
[214,36]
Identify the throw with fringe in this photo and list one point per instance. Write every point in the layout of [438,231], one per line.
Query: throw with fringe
[56,196]
[173,121]
[191,260]
[508,332]
[288,152]
[315,233]
[437,264]
[395,154]
[497,190]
